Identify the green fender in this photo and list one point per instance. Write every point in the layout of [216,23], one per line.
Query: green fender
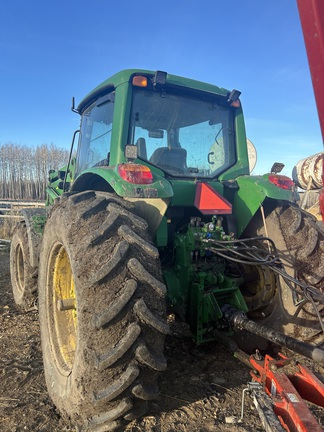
[89,179]
[251,193]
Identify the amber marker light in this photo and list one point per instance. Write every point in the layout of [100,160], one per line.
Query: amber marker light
[139,81]
[233,98]
[236,104]
[281,181]
[135,173]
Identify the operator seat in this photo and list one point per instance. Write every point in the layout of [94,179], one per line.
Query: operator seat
[141,148]
[170,159]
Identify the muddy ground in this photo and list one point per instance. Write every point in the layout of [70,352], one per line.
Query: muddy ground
[201,390]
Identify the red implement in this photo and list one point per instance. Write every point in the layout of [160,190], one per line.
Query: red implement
[311,14]
[289,383]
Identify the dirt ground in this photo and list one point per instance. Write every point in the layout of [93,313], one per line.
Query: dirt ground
[201,390]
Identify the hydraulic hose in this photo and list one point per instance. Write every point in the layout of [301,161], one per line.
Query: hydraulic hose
[241,253]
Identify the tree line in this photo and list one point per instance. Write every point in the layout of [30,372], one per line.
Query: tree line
[24,170]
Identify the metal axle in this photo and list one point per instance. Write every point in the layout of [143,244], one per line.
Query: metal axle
[239,321]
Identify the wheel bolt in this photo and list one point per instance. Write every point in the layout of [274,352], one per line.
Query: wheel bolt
[65,304]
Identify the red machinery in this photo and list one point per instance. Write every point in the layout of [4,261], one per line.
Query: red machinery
[311,14]
[288,383]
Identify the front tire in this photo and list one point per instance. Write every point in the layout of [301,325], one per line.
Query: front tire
[102,311]
[23,274]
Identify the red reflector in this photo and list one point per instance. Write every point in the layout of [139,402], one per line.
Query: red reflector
[134,173]
[281,181]
[208,201]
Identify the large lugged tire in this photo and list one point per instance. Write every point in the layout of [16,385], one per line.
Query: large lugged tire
[300,245]
[102,311]
[23,274]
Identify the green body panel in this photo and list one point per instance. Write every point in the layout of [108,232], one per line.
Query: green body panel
[125,76]
[161,236]
[242,165]
[204,310]
[121,123]
[251,193]
[184,192]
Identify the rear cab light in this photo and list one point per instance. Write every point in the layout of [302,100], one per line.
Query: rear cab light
[135,173]
[281,181]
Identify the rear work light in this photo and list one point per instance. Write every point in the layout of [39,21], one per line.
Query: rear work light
[135,173]
[281,181]
[139,81]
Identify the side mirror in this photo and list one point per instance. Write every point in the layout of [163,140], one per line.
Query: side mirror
[131,152]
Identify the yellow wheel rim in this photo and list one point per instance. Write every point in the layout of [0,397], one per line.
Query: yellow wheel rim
[62,309]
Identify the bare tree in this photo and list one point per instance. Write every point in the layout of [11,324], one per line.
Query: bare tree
[24,170]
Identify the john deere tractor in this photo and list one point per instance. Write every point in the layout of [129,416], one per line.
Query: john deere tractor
[156,212]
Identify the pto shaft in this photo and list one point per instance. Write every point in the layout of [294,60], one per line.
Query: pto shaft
[239,321]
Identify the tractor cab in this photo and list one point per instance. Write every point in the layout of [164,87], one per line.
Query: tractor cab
[184,128]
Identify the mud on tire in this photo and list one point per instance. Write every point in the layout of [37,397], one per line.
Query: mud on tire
[23,275]
[102,311]
[300,246]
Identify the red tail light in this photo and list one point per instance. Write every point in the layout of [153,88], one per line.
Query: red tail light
[281,181]
[134,173]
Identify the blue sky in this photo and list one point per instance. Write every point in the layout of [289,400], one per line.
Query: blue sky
[53,50]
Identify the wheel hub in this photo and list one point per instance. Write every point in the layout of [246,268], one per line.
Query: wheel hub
[259,289]
[61,306]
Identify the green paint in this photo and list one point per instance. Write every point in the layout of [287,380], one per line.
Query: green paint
[197,285]
[252,192]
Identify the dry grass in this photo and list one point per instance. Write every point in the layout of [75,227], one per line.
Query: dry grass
[6,228]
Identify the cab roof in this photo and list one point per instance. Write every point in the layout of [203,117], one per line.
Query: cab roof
[126,75]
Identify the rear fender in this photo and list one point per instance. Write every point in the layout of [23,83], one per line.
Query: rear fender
[108,179]
[150,200]
[251,193]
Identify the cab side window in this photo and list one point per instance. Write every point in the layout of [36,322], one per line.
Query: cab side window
[95,137]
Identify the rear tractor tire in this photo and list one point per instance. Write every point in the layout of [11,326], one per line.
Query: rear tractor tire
[300,247]
[23,274]
[102,311]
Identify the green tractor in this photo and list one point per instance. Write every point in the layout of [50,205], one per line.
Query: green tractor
[157,212]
